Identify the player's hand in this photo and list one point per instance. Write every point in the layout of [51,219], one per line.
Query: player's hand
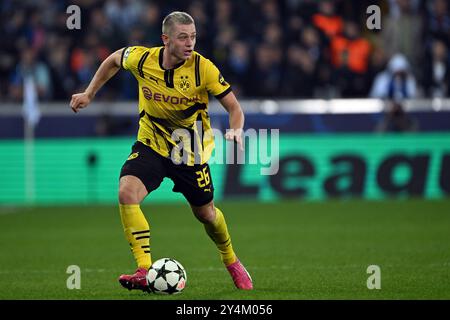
[79,101]
[235,135]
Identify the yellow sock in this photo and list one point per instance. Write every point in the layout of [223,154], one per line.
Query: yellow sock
[218,232]
[137,232]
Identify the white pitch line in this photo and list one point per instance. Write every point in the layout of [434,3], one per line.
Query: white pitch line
[215,269]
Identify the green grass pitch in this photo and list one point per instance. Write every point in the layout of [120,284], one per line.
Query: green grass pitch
[293,250]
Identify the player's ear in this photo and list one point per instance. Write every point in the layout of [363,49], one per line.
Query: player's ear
[165,39]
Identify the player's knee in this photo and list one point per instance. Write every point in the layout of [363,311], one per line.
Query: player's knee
[127,195]
[205,213]
[206,217]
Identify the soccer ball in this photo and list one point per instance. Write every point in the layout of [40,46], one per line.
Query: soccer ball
[166,276]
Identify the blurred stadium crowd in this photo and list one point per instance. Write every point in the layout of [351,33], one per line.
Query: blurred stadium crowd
[265,48]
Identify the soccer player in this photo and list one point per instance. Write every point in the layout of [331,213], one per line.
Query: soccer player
[174,82]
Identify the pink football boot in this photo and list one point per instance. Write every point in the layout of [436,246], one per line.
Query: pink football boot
[135,281]
[241,277]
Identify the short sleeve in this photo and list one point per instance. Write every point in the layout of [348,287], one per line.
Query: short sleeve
[131,56]
[215,82]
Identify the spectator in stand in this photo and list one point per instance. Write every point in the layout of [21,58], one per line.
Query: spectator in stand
[62,78]
[350,55]
[327,21]
[397,82]
[300,77]
[108,34]
[35,31]
[222,44]
[436,72]
[305,66]
[273,35]
[402,34]
[29,66]
[197,10]
[294,26]
[438,21]
[395,10]
[237,67]
[270,11]
[12,37]
[310,41]
[225,31]
[378,63]
[232,33]
[266,72]
[86,58]
[124,14]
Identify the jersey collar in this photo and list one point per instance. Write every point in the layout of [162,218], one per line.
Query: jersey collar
[161,54]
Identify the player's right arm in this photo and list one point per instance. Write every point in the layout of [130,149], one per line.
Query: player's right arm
[106,71]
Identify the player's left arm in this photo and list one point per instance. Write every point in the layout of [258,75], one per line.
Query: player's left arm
[236,118]
[216,85]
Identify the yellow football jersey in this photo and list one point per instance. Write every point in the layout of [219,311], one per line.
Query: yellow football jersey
[173,103]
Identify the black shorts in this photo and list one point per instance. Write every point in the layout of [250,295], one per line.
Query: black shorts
[194,182]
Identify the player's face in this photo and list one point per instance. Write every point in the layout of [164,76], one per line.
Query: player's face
[182,41]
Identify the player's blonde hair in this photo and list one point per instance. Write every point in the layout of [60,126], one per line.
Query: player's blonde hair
[176,17]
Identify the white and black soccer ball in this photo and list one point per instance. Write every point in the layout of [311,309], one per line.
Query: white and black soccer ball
[166,276]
